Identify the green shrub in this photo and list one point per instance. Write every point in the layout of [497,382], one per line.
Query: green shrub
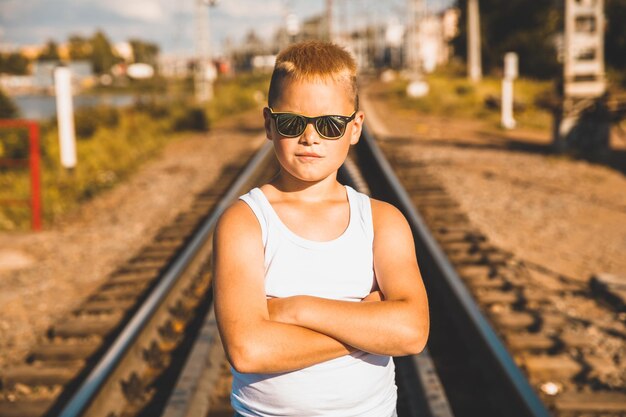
[118,142]
[14,144]
[8,109]
[191,118]
[87,120]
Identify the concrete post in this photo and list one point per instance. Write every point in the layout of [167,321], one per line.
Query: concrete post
[474,66]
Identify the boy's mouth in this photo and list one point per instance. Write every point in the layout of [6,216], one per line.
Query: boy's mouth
[309,154]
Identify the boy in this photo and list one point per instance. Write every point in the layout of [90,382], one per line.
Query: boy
[316,285]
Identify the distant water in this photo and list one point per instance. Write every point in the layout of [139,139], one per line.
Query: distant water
[41,107]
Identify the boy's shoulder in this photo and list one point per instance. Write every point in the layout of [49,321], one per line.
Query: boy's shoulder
[385,214]
[237,218]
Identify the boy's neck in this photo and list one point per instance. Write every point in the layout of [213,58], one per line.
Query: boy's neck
[310,191]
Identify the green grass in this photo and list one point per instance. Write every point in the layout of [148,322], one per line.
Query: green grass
[451,95]
[108,152]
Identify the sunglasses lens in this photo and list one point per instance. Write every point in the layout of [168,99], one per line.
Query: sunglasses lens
[290,124]
[330,126]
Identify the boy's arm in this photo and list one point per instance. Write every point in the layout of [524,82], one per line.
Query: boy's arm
[398,325]
[253,343]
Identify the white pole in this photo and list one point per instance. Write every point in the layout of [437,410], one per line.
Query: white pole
[507,104]
[475,70]
[65,116]
[510,73]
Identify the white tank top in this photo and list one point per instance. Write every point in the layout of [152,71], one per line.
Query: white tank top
[360,384]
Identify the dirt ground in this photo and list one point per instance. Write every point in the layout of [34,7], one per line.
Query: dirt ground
[44,275]
[565,214]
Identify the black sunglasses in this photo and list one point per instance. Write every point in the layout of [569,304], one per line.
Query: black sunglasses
[291,125]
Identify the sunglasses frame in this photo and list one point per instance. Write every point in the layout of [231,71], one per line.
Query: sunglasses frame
[314,119]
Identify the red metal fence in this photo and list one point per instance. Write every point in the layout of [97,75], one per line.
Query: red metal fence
[33,162]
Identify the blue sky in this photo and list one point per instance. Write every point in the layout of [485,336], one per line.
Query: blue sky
[170,23]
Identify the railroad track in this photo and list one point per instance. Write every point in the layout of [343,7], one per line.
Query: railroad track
[142,316]
[568,340]
[146,344]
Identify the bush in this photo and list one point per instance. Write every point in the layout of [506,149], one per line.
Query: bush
[193,118]
[8,109]
[87,120]
[13,143]
[152,108]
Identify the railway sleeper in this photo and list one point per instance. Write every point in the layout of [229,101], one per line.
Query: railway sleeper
[543,367]
[163,244]
[85,326]
[104,306]
[611,289]
[511,320]
[107,292]
[438,217]
[146,262]
[38,375]
[444,237]
[436,202]
[156,252]
[491,296]
[140,269]
[603,371]
[476,283]
[169,241]
[593,403]
[576,339]
[129,278]
[25,407]
[63,352]
[530,342]
[470,272]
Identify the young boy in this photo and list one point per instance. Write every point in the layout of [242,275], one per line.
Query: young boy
[316,285]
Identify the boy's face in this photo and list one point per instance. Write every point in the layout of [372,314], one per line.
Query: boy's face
[309,157]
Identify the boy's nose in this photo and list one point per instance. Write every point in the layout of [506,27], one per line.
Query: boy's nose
[310,136]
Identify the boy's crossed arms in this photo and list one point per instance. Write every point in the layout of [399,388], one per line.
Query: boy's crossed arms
[286,334]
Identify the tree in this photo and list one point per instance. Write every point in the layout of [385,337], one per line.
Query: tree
[14,63]
[8,109]
[50,52]
[144,52]
[80,48]
[526,27]
[102,56]
[615,39]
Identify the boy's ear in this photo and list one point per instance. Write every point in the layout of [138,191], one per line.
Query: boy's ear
[268,123]
[357,126]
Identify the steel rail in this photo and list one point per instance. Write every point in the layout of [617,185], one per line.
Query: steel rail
[520,394]
[105,367]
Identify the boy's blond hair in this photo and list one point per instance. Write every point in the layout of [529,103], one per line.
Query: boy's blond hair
[312,61]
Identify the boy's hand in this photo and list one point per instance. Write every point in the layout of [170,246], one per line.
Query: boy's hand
[376,295]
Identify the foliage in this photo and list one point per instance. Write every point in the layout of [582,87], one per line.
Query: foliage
[88,120]
[145,52]
[8,109]
[615,39]
[527,28]
[113,144]
[50,52]
[102,56]
[457,97]
[192,118]
[80,48]
[531,29]
[13,63]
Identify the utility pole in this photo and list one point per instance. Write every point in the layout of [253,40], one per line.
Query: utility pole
[583,120]
[415,12]
[474,66]
[329,19]
[204,74]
